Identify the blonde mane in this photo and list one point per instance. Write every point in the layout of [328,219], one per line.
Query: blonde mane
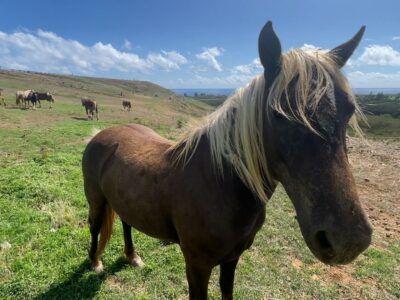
[235,130]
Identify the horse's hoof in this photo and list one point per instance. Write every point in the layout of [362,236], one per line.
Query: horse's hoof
[98,267]
[136,261]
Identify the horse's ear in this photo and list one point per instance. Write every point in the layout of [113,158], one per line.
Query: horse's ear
[270,51]
[343,52]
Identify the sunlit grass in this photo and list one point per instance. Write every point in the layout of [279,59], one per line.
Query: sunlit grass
[43,215]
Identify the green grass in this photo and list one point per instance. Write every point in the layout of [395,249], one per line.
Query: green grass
[383,126]
[43,214]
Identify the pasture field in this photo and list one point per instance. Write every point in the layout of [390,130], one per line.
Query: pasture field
[43,215]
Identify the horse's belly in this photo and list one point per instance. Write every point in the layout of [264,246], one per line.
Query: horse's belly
[142,208]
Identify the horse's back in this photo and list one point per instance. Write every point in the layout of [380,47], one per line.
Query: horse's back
[132,147]
[130,135]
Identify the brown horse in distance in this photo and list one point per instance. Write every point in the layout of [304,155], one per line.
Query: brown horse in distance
[126,104]
[91,108]
[208,191]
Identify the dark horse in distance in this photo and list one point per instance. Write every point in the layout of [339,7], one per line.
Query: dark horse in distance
[91,108]
[2,101]
[35,97]
[288,125]
[126,104]
[44,96]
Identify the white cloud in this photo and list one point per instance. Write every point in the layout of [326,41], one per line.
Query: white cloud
[229,81]
[167,60]
[307,47]
[380,55]
[253,68]
[395,38]
[374,79]
[372,55]
[127,45]
[48,52]
[210,56]
[310,47]
[350,63]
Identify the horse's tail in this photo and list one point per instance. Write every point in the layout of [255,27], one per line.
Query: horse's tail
[106,228]
[97,112]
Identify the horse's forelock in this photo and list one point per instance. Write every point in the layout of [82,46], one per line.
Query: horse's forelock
[308,76]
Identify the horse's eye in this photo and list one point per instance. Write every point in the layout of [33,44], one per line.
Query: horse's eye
[277,115]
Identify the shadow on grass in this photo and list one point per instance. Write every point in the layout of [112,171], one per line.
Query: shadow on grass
[80,118]
[16,107]
[81,284]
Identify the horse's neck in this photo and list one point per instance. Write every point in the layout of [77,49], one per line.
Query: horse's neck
[202,158]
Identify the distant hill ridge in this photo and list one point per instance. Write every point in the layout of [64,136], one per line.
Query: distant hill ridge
[12,80]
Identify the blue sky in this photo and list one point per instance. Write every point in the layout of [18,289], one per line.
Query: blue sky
[193,44]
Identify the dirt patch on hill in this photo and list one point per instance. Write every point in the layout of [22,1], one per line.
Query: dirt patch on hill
[376,167]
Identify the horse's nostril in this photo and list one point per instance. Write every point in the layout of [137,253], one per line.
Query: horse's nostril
[322,240]
[324,243]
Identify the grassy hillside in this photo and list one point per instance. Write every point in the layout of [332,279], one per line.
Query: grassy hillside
[380,104]
[151,103]
[43,211]
[78,86]
[383,114]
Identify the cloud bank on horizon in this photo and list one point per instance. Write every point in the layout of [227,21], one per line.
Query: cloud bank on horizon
[374,66]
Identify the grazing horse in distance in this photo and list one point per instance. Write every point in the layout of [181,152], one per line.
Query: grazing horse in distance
[126,104]
[21,97]
[33,98]
[91,107]
[208,191]
[44,96]
[2,101]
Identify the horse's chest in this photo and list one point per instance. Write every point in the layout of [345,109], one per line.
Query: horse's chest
[243,236]
[252,224]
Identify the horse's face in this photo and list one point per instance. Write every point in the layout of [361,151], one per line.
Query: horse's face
[316,175]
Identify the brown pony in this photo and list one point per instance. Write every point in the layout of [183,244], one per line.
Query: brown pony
[208,191]
[126,104]
[91,107]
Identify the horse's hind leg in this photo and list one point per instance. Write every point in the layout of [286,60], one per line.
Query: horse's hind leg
[129,250]
[96,214]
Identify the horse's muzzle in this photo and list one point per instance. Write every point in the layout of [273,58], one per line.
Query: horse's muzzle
[336,248]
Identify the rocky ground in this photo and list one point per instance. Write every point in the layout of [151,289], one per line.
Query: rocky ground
[376,167]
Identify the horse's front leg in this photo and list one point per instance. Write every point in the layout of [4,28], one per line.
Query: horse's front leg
[198,277]
[226,279]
